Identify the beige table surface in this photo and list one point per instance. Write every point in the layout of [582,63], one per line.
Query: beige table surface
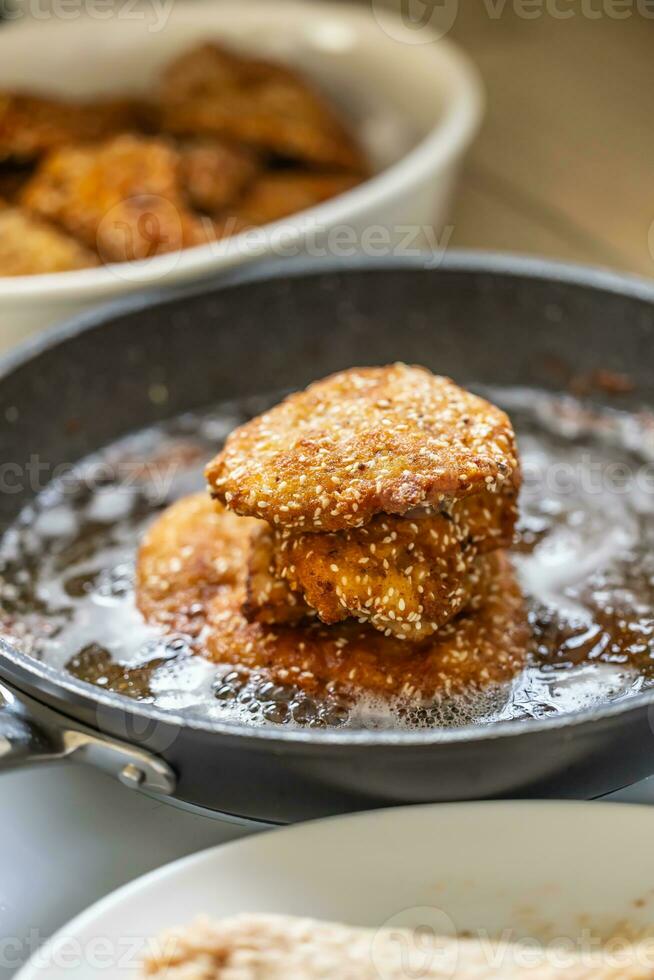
[564,163]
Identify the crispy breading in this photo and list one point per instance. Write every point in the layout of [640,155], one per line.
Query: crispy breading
[31,125]
[362,442]
[215,173]
[191,579]
[29,246]
[268,597]
[211,91]
[278,194]
[123,197]
[487,645]
[406,576]
[194,550]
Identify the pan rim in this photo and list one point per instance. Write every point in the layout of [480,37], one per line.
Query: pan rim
[40,676]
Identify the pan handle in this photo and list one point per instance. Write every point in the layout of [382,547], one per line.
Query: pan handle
[31,733]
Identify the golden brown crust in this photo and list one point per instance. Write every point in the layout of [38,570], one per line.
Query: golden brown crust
[214,92]
[362,442]
[180,587]
[29,246]
[195,549]
[131,179]
[276,195]
[269,598]
[31,125]
[487,645]
[192,551]
[215,173]
[406,576]
[123,197]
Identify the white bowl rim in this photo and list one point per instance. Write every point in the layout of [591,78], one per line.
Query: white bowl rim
[443,144]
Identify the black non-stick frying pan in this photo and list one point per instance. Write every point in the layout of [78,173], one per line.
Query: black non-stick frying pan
[500,321]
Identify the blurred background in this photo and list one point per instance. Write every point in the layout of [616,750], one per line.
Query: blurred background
[562,165]
[553,160]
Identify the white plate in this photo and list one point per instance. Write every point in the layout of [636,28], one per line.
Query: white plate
[539,869]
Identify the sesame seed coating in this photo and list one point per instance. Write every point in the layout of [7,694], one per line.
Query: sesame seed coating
[363,442]
[268,597]
[195,549]
[191,578]
[404,575]
[191,551]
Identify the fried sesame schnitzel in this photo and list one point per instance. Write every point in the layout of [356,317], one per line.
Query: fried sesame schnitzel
[194,550]
[268,597]
[191,580]
[363,442]
[210,91]
[406,576]
[486,645]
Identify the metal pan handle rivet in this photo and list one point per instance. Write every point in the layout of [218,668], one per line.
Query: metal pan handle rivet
[131,776]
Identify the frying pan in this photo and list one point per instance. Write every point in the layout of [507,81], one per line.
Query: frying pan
[478,318]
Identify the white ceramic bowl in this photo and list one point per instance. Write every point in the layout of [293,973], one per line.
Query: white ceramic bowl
[415,107]
[537,871]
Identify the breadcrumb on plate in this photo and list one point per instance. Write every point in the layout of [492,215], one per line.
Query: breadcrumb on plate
[29,246]
[279,947]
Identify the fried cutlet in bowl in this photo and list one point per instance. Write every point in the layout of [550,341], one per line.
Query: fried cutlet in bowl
[29,246]
[124,197]
[32,125]
[212,91]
